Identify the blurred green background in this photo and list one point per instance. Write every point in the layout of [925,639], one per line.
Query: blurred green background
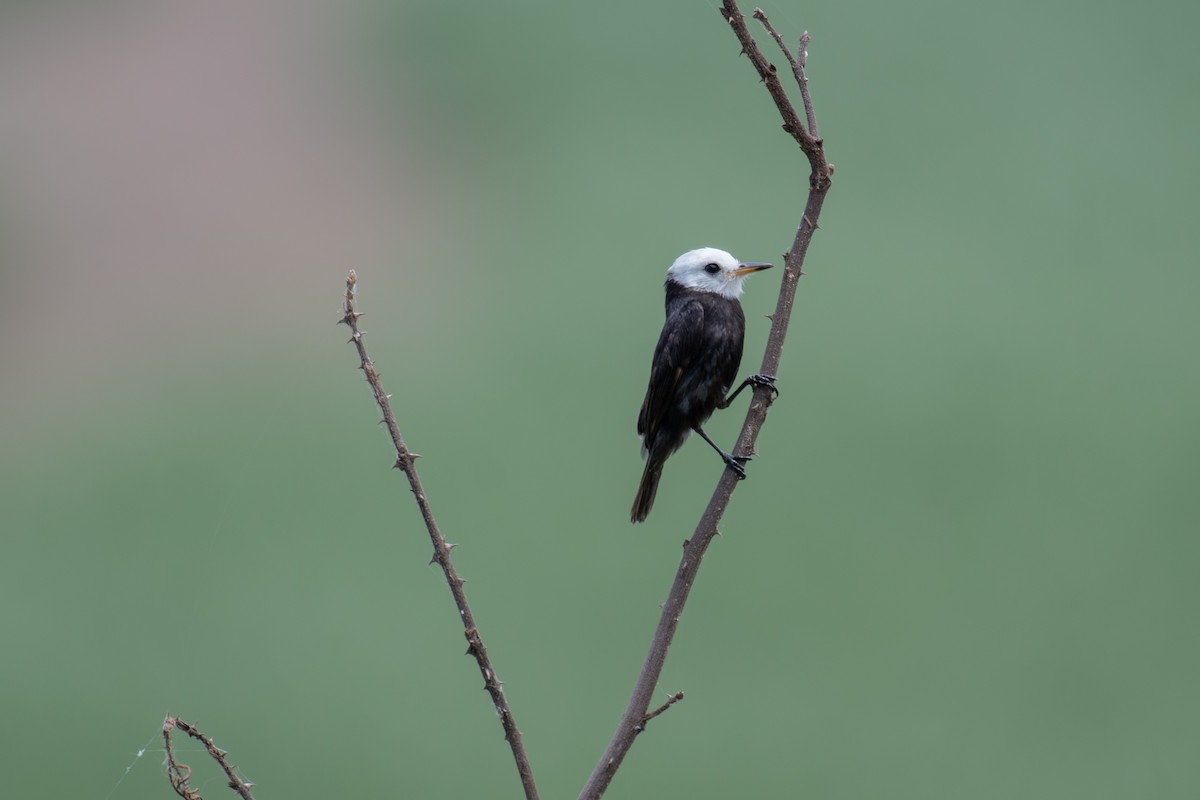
[964,565]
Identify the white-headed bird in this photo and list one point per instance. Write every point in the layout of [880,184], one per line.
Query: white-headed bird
[695,363]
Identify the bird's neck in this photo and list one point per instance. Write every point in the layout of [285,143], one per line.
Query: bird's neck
[677,291]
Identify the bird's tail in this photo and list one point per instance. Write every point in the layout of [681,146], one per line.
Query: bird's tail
[648,488]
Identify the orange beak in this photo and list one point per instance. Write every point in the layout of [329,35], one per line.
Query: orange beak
[746,269]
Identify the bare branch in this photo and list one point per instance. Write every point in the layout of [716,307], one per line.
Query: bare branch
[802,79]
[798,63]
[633,720]
[406,462]
[178,774]
[761,17]
[808,141]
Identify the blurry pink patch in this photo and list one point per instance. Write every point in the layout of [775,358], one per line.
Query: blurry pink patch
[168,168]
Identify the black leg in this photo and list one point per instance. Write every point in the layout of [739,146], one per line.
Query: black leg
[731,461]
[754,380]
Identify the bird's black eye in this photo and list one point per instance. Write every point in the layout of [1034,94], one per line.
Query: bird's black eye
[711,269]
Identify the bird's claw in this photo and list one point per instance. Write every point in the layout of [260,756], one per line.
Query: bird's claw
[736,463]
[766,381]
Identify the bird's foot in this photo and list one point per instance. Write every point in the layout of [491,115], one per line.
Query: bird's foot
[766,381]
[737,464]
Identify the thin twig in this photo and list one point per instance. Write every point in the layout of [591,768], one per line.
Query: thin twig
[802,79]
[694,548]
[671,700]
[406,462]
[761,17]
[178,774]
[798,63]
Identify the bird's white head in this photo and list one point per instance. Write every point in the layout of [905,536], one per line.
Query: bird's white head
[711,270]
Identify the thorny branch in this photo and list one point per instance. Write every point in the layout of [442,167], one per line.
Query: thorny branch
[798,63]
[406,462]
[178,774]
[634,718]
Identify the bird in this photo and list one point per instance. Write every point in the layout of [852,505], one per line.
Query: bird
[695,363]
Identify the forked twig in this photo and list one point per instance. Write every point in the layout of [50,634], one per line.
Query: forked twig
[798,63]
[406,462]
[633,720]
[178,774]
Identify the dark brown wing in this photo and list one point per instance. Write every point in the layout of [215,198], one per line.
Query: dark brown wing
[681,340]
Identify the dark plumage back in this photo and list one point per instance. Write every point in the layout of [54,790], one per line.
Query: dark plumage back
[695,363]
